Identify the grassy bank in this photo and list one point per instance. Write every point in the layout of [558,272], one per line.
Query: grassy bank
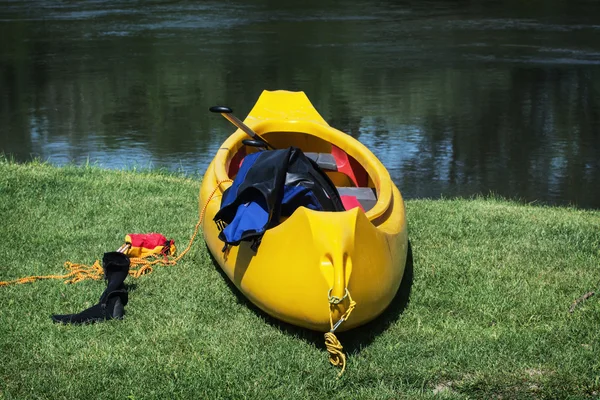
[487,318]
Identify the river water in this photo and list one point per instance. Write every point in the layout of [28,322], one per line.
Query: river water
[456,98]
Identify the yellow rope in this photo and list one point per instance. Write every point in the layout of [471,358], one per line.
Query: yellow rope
[333,345]
[80,272]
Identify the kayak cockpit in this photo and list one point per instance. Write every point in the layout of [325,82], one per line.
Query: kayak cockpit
[355,165]
[354,185]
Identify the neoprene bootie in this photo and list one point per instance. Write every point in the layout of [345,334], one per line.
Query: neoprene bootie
[113,299]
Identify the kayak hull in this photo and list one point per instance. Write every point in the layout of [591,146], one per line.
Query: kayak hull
[312,256]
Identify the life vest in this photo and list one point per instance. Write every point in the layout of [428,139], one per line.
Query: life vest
[271,185]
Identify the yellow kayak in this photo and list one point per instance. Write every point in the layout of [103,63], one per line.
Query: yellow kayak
[315,265]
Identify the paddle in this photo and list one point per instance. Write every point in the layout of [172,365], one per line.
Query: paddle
[227,113]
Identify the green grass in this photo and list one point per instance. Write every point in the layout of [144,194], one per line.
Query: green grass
[487,318]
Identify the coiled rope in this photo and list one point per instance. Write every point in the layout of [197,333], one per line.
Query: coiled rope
[333,345]
[80,272]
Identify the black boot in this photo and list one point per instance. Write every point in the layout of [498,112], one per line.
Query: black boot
[114,298]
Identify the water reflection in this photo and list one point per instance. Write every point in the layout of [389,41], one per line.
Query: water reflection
[455,98]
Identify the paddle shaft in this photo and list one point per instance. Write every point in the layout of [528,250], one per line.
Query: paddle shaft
[227,113]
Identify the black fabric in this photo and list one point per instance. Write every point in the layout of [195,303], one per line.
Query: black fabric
[264,182]
[113,299]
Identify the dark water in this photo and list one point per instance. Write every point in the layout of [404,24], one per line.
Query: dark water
[455,97]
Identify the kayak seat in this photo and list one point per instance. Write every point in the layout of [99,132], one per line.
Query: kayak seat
[363,197]
[324,160]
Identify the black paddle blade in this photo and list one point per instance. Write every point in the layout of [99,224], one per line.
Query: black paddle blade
[221,110]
